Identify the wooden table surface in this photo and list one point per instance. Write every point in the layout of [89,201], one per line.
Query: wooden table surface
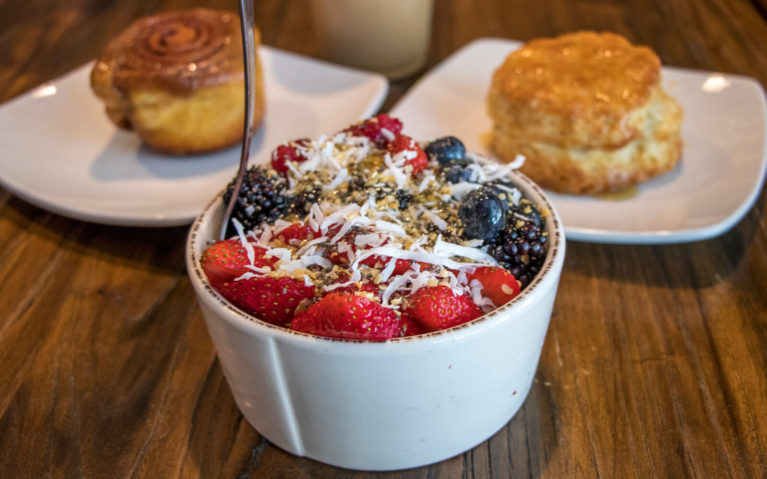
[655,364]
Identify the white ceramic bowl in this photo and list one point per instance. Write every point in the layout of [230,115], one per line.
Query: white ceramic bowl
[380,406]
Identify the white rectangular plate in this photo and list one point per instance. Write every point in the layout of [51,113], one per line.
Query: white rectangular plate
[710,190]
[59,151]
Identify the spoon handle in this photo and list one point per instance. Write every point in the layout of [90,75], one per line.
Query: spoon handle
[249,56]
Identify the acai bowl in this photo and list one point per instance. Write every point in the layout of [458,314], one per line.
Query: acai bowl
[408,384]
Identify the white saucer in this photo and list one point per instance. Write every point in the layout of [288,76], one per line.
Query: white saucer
[715,184]
[59,151]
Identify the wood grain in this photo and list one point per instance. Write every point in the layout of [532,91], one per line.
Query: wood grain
[655,363]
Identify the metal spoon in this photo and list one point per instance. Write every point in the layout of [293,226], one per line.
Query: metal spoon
[249,56]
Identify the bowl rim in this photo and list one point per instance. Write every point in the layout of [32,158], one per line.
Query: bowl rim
[229,312]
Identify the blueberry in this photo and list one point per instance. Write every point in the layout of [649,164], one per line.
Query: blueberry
[457,172]
[482,214]
[446,150]
[524,209]
[404,198]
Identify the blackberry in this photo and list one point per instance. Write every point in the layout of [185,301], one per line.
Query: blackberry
[260,198]
[482,214]
[520,248]
[404,198]
[446,150]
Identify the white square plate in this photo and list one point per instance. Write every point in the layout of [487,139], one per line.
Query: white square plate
[59,151]
[710,190]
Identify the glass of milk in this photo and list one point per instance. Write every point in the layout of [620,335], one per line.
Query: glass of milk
[387,36]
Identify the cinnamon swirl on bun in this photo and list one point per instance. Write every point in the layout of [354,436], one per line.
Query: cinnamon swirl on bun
[177,79]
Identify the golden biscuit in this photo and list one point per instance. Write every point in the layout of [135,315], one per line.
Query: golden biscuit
[177,79]
[587,111]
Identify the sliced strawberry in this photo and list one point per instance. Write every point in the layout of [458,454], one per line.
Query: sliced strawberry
[349,238]
[375,261]
[497,284]
[349,316]
[409,326]
[225,260]
[372,128]
[288,152]
[362,285]
[415,156]
[273,300]
[436,307]
[340,258]
[295,233]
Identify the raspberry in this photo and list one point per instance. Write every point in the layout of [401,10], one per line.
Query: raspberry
[416,158]
[372,129]
[288,152]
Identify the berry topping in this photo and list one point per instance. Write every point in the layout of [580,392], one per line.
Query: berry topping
[364,235]
[349,316]
[260,198]
[288,152]
[498,284]
[381,129]
[437,307]
[446,150]
[482,214]
[414,155]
